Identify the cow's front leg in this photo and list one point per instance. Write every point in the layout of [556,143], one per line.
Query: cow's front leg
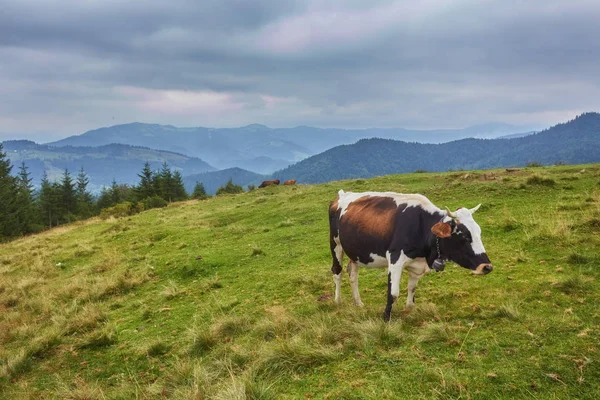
[353,274]
[395,264]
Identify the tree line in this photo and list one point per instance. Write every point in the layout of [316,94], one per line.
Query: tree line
[25,209]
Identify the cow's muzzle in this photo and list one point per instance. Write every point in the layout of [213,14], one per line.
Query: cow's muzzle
[483,269]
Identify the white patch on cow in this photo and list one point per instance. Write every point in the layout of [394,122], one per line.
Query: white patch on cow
[418,266]
[395,271]
[339,251]
[378,261]
[466,218]
[410,200]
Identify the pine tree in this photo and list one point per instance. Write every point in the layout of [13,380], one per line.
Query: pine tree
[9,223]
[26,211]
[84,199]
[199,192]
[230,188]
[69,198]
[165,181]
[105,199]
[115,193]
[179,192]
[50,201]
[146,188]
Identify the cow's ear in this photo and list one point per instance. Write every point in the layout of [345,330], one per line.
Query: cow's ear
[442,230]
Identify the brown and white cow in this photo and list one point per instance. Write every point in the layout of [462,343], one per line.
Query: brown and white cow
[398,231]
[269,183]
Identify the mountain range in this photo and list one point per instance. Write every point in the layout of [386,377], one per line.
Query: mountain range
[574,142]
[256,151]
[259,148]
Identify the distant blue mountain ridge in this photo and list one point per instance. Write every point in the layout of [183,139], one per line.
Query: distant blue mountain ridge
[259,148]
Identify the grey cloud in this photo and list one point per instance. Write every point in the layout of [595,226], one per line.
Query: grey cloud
[329,63]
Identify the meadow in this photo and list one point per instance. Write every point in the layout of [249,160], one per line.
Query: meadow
[231,298]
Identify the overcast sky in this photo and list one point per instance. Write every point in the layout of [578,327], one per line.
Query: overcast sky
[72,65]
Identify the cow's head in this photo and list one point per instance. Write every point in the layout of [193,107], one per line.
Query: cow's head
[460,240]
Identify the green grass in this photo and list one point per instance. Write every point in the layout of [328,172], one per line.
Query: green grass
[231,298]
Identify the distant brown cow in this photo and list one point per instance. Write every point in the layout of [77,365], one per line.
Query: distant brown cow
[290,182]
[269,183]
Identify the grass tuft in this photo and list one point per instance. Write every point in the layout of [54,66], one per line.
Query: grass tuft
[231,326]
[10,301]
[540,181]
[286,223]
[79,389]
[185,379]
[87,319]
[511,224]
[157,349]
[508,311]
[573,284]
[172,290]
[423,312]
[294,356]
[380,333]
[99,339]
[577,259]
[592,223]
[439,332]
[202,342]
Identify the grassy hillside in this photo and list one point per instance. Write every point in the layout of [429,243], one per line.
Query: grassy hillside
[231,298]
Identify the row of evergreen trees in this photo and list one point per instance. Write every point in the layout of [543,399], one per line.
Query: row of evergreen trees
[24,209]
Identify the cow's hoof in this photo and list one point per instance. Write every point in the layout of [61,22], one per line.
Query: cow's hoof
[359,303]
[387,316]
[337,302]
[409,306]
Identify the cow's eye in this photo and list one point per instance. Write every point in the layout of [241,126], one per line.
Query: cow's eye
[466,236]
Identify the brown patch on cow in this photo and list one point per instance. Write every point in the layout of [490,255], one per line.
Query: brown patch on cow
[269,183]
[334,204]
[290,182]
[442,230]
[372,215]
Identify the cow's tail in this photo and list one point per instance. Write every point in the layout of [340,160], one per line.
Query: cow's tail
[334,241]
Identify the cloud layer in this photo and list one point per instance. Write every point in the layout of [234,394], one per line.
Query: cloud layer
[428,64]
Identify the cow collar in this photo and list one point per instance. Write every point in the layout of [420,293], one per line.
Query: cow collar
[439,263]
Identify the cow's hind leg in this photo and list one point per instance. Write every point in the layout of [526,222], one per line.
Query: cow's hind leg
[353,274]
[396,262]
[337,253]
[413,280]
